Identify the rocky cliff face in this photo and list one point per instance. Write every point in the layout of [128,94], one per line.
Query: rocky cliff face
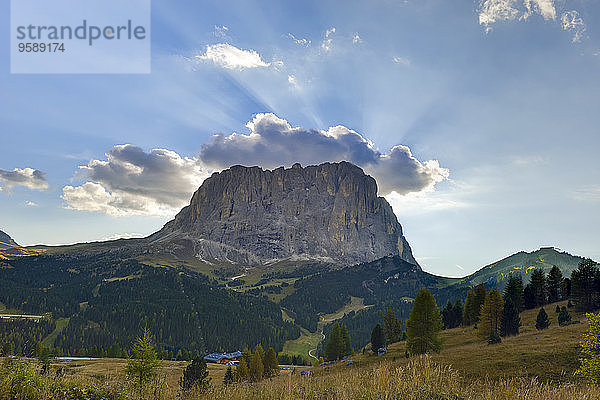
[252,216]
[6,242]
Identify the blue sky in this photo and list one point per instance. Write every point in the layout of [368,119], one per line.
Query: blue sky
[494,105]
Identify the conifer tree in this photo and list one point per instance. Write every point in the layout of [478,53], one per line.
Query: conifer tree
[584,285]
[565,288]
[542,321]
[423,325]
[377,338]
[256,368]
[195,376]
[514,291]
[480,294]
[334,344]
[564,318]
[271,365]
[228,379]
[458,310]
[346,344]
[539,287]
[143,367]
[510,323]
[491,316]
[528,297]
[241,372]
[469,310]
[392,327]
[554,282]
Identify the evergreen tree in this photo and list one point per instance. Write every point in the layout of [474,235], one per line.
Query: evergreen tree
[542,321]
[271,364]
[377,338]
[423,325]
[528,297]
[458,313]
[584,285]
[480,294]
[256,368]
[514,291]
[392,327]
[258,348]
[228,379]
[539,287]
[554,282]
[334,344]
[143,367]
[469,311]
[241,372]
[565,289]
[447,315]
[246,356]
[564,318]
[195,376]
[346,344]
[510,323]
[491,315]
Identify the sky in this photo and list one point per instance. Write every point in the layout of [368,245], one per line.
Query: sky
[478,119]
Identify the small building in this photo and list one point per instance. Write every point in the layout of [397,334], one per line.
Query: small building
[223,358]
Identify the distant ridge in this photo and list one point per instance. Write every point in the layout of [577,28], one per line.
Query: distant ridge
[524,263]
[6,242]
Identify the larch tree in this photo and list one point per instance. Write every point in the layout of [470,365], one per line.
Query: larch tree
[142,368]
[424,325]
[392,327]
[590,349]
[256,368]
[490,316]
[271,365]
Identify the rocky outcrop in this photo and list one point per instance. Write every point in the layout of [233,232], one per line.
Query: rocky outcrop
[251,216]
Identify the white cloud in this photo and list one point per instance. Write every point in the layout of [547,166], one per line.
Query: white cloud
[272,142]
[230,57]
[572,22]
[133,182]
[293,81]
[27,177]
[327,42]
[493,11]
[302,41]
[401,61]
[31,204]
[356,39]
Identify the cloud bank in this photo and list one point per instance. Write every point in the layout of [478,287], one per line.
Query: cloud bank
[160,182]
[230,57]
[27,177]
[272,142]
[133,182]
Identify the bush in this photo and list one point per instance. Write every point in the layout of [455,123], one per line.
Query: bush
[494,338]
[564,318]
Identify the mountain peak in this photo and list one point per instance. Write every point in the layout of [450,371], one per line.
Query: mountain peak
[328,212]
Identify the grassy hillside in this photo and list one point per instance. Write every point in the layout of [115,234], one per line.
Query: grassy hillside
[533,365]
[524,263]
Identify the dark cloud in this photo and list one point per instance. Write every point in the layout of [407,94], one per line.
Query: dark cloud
[273,142]
[131,181]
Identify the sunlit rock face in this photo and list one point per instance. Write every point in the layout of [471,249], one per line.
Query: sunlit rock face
[329,212]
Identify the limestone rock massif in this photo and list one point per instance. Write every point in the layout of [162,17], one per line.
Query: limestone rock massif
[250,216]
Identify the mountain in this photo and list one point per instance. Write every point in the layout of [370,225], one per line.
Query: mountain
[250,216]
[524,263]
[6,242]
